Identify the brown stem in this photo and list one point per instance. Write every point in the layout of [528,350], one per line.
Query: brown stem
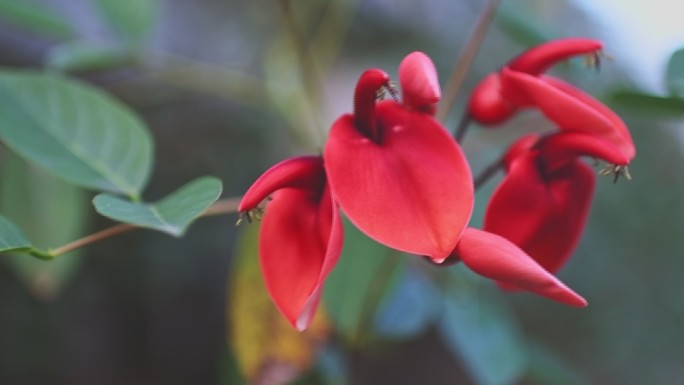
[224,206]
[92,238]
[462,128]
[466,59]
[487,174]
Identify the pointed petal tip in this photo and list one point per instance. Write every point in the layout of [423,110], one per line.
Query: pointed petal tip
[497,258]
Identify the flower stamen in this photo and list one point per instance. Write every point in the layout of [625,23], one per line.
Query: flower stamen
[617,171]
[255,214]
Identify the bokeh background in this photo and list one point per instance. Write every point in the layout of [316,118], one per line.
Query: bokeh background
[221,87]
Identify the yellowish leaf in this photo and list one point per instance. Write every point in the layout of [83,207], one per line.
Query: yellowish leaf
[268,349]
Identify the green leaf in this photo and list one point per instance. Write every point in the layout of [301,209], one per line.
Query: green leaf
[355,288]
[171,215]
[52,213]
[75,131]
[87,56]
[35,17]
[131,18]
[479,329]
[11,237]
[639,103]
[674,75]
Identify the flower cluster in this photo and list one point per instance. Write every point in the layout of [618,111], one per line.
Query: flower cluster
[399,177]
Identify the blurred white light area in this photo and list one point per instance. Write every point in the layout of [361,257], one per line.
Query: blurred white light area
[645,33]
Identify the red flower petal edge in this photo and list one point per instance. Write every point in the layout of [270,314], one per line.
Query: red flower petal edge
[497,258]
[301,235]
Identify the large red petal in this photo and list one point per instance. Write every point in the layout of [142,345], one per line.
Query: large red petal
[299,244]
[537,60]
[497,258]
[567,107]
[419,82]
[412,191]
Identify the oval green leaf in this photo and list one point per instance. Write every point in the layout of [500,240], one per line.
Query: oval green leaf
[75,131]
[171,215]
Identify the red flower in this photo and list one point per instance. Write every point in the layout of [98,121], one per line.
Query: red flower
[568,107]
[497,258]
[521,84]
[395,171]
[300,239]
[543,202]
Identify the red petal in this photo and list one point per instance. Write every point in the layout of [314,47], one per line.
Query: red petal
[538,59]
[301,172]
[497,258]
[486,105]
[620,135]
[419,82]
[299,244]
[519,205]
[545,216]
[365,95]
[561,148]
[570,193]
[568,107]
[520,147]
[412,191]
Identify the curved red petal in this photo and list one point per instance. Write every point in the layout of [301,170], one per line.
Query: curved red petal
[620,135]
[497,258]
[567,107]
[412,192]
[486,105]
[561,148]
[419,82]
[543,215]
[299,244]
[537,60]
[570,192]
[520,147]
[302,172]
[365,97]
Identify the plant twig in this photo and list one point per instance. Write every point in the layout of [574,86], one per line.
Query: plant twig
[307,66]
[462,128]
[92,238]
[466,59]
[487,173]
[223,206]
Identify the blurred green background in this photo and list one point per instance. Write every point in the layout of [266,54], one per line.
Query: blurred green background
[221,87]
